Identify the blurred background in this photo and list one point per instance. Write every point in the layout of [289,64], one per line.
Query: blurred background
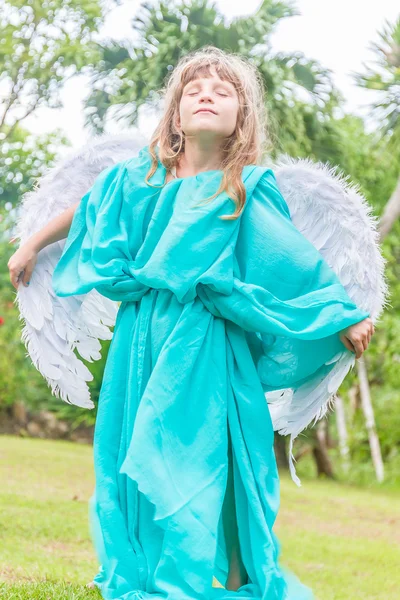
[71,70]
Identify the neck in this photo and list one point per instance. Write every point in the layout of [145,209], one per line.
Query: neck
[199,155]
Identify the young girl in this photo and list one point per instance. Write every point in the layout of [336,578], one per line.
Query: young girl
[196,242]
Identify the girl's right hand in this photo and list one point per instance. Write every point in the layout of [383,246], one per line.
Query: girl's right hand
[22,263]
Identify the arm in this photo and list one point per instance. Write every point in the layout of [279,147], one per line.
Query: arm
[22,262]
[356,337]
[292,277]
[55,230]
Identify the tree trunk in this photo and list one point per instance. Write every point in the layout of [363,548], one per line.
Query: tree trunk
[389,216]
[354,398]
[342,431]
[320,451]
[391,212]
[330,442]
[368,411]
[280,451]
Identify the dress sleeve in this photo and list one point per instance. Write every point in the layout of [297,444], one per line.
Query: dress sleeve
[298,301]
[99,242]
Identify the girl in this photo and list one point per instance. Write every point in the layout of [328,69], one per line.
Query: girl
[196,242]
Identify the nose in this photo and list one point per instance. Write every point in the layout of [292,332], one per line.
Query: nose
[206,97]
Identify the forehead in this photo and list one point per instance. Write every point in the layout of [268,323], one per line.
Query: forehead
[205,73]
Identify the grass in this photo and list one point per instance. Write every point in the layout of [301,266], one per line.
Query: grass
[342,541]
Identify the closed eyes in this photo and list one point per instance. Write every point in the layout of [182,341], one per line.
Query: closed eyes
[219,93]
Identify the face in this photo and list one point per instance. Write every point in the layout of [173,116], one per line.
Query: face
[208,108]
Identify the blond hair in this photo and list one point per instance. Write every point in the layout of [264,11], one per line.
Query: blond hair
[247,143]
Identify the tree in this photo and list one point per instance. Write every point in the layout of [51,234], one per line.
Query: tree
[42,45]
[384,77]
[130,75]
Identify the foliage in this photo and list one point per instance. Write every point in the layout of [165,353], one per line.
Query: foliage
[367,159]
[23,160]
[306,121]
[42,45]
[15,381]
[19,379]
[384,77]
[131,75]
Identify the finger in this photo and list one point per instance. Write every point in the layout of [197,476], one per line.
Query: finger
[362,343]
[17,278]
[347,343]
[26,277]
[14,278]
[359,348]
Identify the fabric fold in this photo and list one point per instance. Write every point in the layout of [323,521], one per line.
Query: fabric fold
[213,313]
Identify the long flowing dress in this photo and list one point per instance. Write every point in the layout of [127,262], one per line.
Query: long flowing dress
[213,314]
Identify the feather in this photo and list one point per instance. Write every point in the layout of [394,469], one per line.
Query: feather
[326,208]
[334,216]
[55,326]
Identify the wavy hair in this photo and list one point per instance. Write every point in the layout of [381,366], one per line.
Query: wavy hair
[247,143]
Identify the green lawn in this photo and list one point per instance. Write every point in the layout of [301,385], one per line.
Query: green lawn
[342,541]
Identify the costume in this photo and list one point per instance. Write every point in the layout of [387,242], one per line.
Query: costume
[213,315]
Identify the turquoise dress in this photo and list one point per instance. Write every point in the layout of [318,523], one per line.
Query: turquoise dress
[213,314]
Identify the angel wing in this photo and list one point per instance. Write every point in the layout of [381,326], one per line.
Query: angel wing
[326,210]
[54,326]
[335,217]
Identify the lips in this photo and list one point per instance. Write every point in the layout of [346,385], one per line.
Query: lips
[205,110]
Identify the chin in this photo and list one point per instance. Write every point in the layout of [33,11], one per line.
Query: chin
[203,131]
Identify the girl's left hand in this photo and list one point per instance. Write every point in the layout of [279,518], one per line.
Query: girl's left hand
[357,337]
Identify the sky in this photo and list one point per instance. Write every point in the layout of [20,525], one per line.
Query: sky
[336,33]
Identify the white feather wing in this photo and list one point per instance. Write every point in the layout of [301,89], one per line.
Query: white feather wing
[54,326]
[334,216]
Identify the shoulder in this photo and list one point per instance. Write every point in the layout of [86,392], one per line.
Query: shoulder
[139,166]
[113,167]
[268,192]
[141,159]
[267,176]
[126,168]
[262,174]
